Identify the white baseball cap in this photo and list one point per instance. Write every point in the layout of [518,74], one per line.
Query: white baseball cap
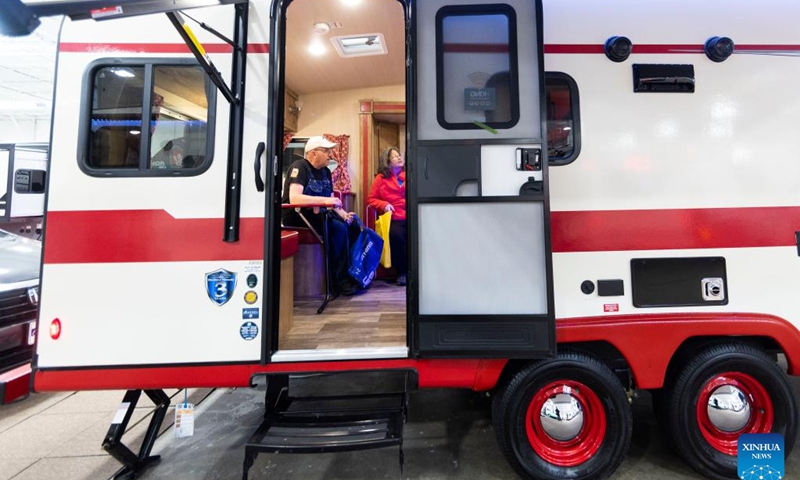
[317,142]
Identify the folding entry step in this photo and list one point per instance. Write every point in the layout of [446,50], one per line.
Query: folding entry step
[326,424]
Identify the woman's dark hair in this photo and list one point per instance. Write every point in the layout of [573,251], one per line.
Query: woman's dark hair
[384,160]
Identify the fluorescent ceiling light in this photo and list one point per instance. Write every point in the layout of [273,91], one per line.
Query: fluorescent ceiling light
[24,106]
[123,72]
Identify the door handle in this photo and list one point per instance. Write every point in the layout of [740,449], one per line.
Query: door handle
[257,164]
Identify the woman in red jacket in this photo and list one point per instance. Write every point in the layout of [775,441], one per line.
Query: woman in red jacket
[388,194]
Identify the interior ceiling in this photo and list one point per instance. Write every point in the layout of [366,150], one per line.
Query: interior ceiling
[306,73]
[27,63]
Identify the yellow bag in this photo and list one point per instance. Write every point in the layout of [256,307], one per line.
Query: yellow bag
[382,227]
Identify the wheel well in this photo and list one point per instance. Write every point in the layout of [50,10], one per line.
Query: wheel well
[603,351]
[692,345]
[614,359]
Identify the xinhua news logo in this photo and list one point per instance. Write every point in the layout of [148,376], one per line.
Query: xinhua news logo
[761,456]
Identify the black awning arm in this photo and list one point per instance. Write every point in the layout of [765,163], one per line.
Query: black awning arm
[200,54]
[210,30]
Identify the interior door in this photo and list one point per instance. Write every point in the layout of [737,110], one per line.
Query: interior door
[480,250]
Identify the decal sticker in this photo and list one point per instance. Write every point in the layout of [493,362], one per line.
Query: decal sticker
[220,285]
[252,280]
[253,266]
[611,307]
[105,12]
[250,297]
[249,313]
[31,333]
[248,330]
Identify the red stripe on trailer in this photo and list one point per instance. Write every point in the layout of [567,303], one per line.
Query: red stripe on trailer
[552,48]
[151,236]
[156,236]
[594,49]
[15,384]
[621,230]
[77,47]
[648,341]
[479,375]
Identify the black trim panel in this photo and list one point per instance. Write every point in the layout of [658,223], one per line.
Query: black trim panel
[497,336]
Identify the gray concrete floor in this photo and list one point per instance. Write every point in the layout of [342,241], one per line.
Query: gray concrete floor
[448,436]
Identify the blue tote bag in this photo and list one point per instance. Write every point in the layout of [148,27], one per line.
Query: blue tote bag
[365,255]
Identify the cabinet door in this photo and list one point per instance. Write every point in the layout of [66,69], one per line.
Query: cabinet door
[291,112]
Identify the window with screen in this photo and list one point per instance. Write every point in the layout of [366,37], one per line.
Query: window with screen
[563,118]
[477,76]
[172,136]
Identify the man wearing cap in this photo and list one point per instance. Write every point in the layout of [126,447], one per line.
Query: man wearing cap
[308,182]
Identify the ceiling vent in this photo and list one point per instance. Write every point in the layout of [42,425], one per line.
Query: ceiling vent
[360,45]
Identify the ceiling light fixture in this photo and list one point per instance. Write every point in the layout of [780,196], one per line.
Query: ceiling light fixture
[321,28]
[316,48]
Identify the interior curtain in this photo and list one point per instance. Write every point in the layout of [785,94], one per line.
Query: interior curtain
[341,175]
[287,138]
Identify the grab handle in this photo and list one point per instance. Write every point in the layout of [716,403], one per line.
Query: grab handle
[257,164]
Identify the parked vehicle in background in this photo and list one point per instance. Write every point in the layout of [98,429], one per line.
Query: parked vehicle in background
[19,301]
[23,178]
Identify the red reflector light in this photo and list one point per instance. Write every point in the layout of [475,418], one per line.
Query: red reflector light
[55,329]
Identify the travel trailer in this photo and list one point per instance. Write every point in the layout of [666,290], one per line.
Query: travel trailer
[589,215]
[23,177]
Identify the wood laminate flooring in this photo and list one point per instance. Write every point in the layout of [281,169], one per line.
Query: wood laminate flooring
[375,317]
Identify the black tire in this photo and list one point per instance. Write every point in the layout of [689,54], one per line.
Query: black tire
[709,450]
[607,425]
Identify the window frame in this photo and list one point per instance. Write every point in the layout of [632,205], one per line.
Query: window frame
[31,172]
[513,62]
[574,105]
[148,64]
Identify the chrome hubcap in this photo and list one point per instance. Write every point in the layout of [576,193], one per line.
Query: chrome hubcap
[728,409]
[562,417]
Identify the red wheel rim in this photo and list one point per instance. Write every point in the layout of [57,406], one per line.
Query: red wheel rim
[761,410]
[588,440]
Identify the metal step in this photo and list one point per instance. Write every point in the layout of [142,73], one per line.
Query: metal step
[329,424]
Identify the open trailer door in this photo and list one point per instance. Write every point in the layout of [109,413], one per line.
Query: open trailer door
[144,265]
[480,241]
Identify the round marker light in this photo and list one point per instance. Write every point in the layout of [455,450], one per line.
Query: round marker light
[718,49]
[55,329]
[618,49]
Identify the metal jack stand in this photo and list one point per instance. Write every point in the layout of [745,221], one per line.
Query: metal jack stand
[133,464]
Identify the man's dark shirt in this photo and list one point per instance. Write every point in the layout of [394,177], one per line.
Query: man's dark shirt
[315,182]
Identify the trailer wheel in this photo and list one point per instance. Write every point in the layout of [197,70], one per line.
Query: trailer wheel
[563,418]
[725,391]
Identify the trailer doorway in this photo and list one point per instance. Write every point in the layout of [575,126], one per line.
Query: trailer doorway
[336,58]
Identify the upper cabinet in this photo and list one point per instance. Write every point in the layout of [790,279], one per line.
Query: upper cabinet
[291,110]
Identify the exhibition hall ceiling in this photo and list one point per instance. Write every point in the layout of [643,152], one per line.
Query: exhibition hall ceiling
[26,72]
